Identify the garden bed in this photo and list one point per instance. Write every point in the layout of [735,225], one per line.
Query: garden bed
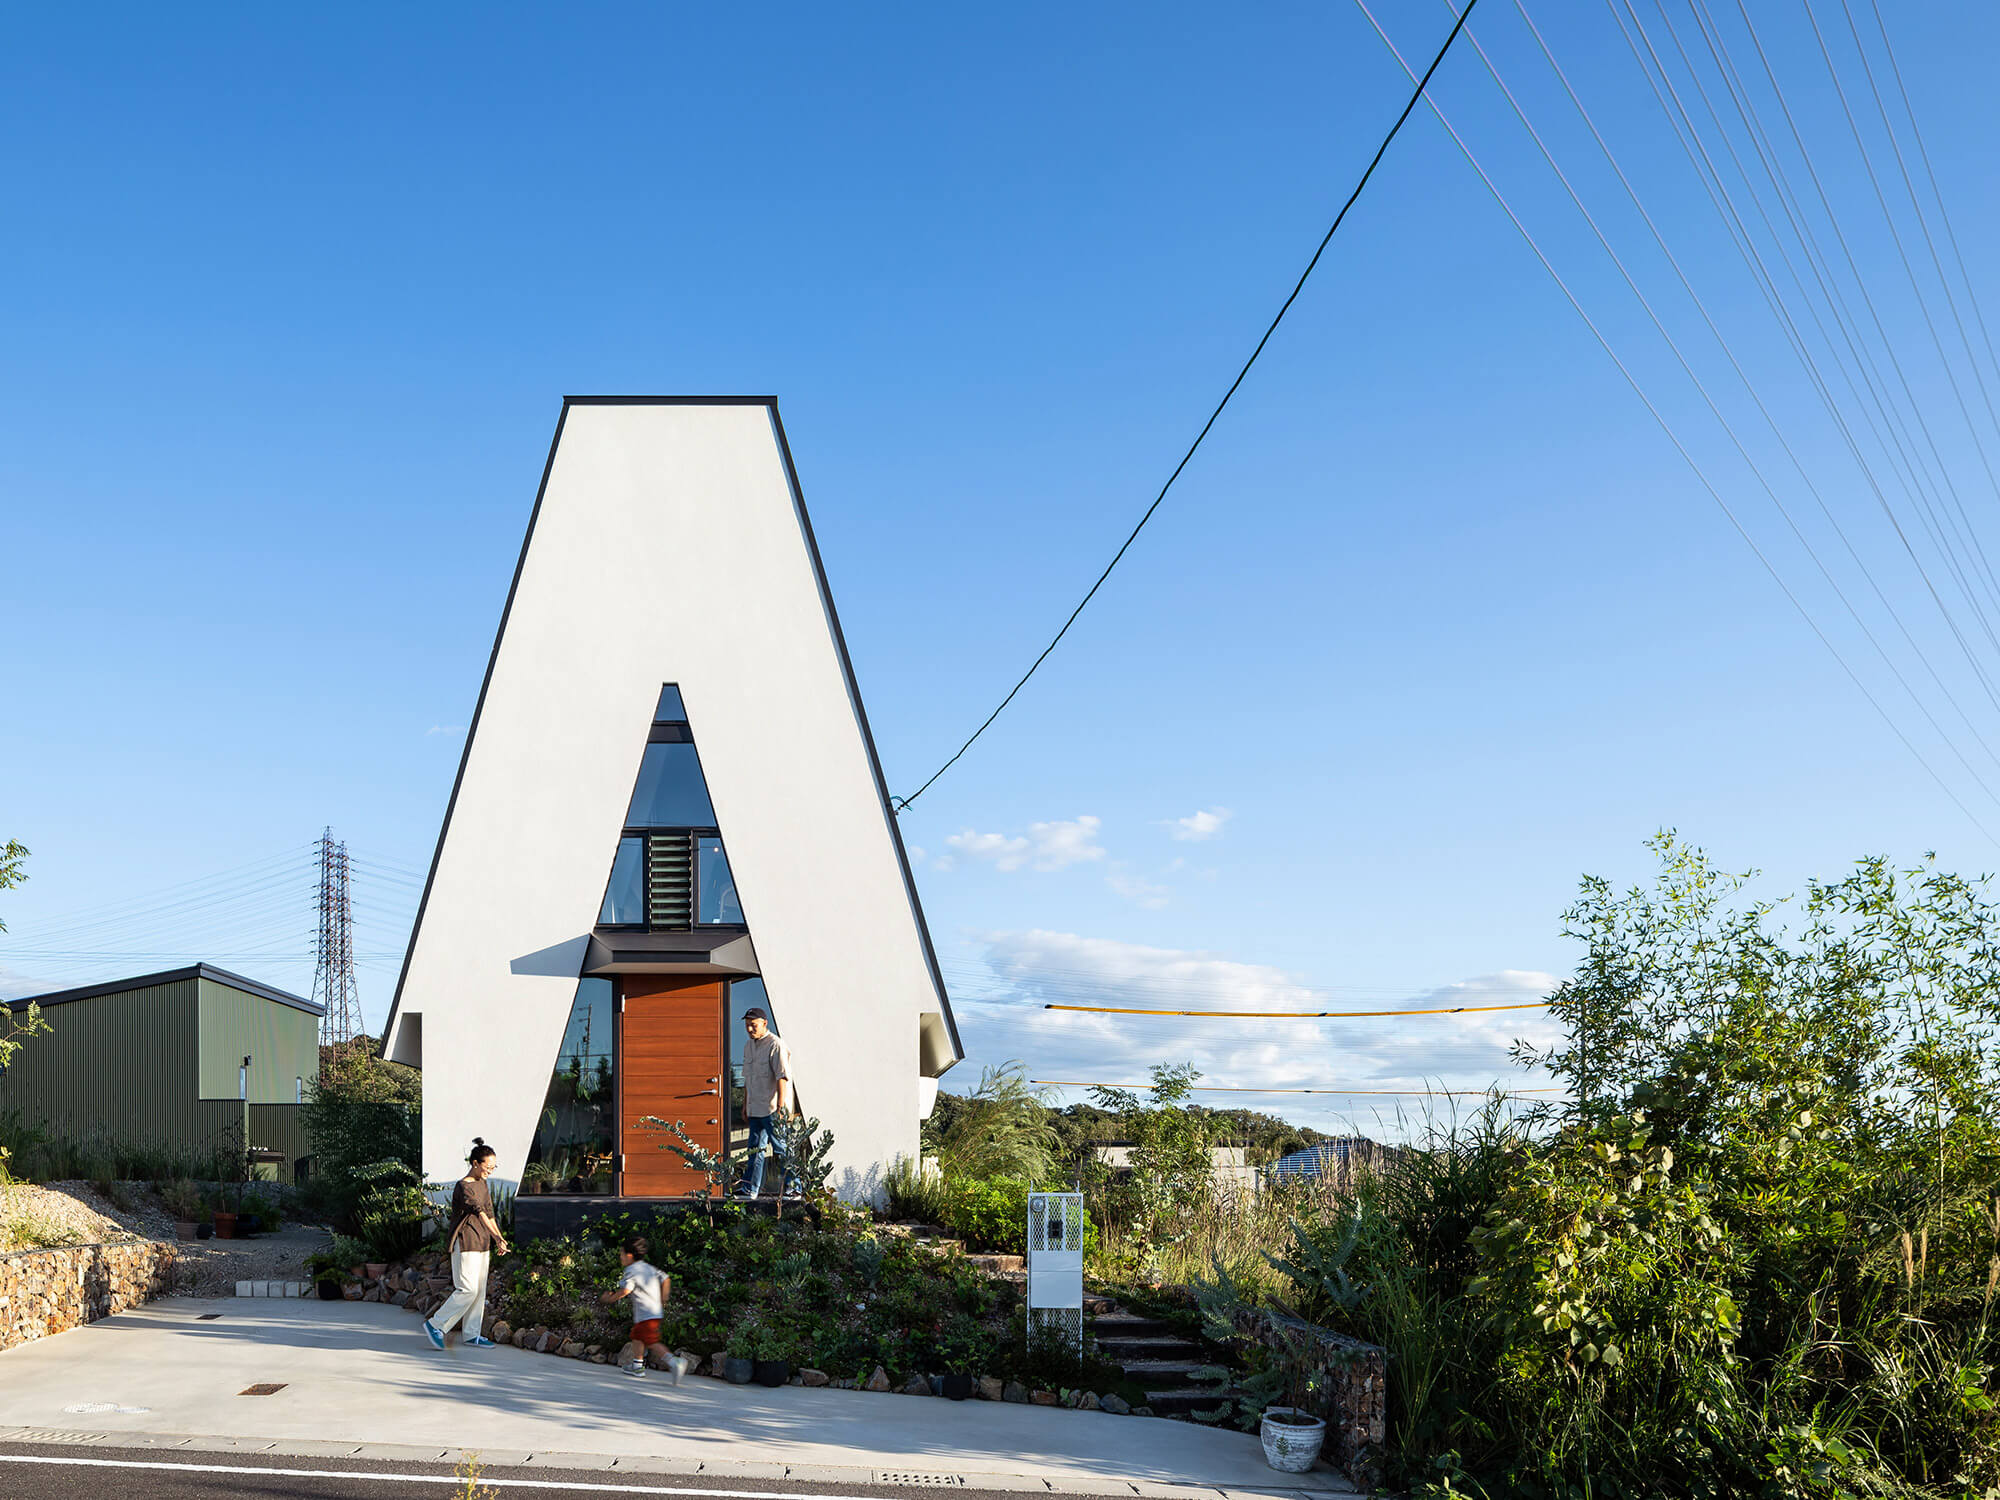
[838,1305]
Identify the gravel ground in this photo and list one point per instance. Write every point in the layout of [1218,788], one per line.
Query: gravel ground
[206,1268]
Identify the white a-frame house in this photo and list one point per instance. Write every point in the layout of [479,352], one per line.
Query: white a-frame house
[669,811]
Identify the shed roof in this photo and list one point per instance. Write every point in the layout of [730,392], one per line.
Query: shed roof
[170,976]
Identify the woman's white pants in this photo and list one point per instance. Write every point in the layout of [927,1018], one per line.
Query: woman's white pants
[468,1294]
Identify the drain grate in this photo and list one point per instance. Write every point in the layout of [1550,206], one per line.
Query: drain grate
[206,1317]
[55,1435]
[924,1481]
[90,1408]
[262,1389]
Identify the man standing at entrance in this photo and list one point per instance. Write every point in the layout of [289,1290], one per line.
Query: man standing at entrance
[767,1091]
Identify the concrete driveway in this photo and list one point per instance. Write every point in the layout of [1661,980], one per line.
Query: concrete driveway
[359,1378]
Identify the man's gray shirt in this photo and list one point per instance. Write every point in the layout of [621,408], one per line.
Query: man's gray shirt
[766,1059]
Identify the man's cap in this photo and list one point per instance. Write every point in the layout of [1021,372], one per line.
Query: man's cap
[757,1011]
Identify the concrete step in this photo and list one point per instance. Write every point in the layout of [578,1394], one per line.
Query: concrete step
[999,1262]
[1164,1373]
[1126,1350]
[1124,1325]
[1181,1402]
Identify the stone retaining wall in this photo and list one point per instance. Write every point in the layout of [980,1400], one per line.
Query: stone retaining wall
[1351,1380]
[53,1291]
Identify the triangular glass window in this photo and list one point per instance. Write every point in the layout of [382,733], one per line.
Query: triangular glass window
[670,710]
[670,873]
[671,792]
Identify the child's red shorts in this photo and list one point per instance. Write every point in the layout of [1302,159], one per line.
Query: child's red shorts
[647,1333]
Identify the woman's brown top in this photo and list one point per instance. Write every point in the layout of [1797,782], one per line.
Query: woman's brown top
[469,1200]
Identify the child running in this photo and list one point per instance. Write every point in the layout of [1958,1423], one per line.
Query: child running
[648,1287]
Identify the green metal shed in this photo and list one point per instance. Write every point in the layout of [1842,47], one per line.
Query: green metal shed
[159,1059]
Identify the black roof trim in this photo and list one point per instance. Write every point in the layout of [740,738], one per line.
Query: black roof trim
[171,976]
[867,735]
[472,729]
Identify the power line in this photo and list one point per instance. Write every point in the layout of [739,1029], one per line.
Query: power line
[1380,151]
[1903,462]
[1723,421]
[1673,437]
[1266,1015]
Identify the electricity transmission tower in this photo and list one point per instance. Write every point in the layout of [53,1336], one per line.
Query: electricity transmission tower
[333,979]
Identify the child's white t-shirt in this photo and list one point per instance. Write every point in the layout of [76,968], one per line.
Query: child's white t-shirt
[644,1281]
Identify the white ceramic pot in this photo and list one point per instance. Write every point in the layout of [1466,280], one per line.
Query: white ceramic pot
[1291,1447]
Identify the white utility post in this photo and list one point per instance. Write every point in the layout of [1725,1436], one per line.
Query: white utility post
[1055,1266]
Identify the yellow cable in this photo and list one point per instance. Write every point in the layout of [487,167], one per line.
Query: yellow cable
[1267,1015]
[1212,1088]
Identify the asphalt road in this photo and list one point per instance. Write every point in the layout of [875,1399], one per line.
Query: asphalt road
[62,1472]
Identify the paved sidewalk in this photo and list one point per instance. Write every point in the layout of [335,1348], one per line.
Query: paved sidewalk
[358,1378]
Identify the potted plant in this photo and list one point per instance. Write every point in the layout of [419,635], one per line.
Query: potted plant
[537,1177]
[959,1346]
[771,1354]
[737,1366]
[181,1199]
[327,1274]
[1291,1434]
[1292,1438]
[225,1217]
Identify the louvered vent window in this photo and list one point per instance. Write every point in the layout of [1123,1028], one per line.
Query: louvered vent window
[670,880]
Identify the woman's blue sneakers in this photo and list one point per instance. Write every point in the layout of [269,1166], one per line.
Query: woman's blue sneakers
[431,1333]
[477,1342]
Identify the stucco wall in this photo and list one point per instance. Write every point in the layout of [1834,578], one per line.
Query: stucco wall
[668,547]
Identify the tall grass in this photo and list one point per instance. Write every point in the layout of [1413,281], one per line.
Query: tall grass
[1230,1226]
[35,1154]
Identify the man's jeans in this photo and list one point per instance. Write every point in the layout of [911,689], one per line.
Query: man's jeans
[761,1134]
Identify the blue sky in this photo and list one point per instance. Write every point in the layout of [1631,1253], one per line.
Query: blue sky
[1436,622]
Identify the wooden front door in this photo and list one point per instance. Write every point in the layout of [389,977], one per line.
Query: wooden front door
[670,1067]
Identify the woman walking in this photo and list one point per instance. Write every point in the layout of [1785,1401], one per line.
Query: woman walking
[475,1235]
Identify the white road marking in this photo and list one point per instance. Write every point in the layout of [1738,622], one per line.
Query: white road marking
[525,1484]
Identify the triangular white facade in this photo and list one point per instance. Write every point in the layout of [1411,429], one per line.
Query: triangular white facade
[670,545]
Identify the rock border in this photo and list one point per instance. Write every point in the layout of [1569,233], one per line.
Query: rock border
[66,1286]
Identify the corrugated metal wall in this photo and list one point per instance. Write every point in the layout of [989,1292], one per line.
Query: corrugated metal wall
[281,1041]
[122,1063]
[129,1065]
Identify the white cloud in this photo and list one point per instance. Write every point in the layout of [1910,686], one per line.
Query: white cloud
[1001,1015]
[1132,888]
[1198,826]
[14,985]
[444,729]
[1006,853]
[1046,846]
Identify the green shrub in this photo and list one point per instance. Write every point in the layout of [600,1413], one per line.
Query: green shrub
[1755,1252]
[360,1110]
[392,1211]
[916,1192]
[991,1216]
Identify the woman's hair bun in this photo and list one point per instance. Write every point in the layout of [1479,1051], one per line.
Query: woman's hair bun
[479,1140]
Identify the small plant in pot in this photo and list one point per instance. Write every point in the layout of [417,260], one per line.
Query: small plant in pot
[328,1274]
[960,1347]
[182,1199]
[538,1177]
[224,1216]
[737,1366]
[1291,1434]
[771,1357]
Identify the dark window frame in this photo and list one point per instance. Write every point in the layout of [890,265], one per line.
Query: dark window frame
[672,732]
